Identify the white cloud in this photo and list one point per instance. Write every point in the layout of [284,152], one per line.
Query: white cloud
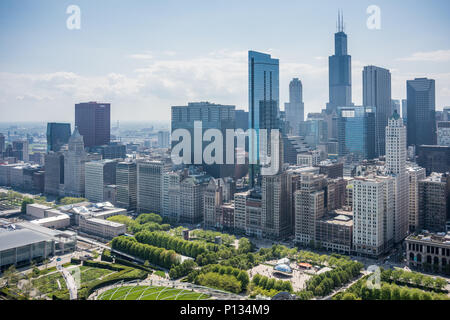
[148,91]
[430,56]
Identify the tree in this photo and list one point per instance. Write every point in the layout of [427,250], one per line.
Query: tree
[25,201]
[349,296]
[385,292]
[244,245]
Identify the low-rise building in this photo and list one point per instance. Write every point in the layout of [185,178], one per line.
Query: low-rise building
[428,251]
[102,228]
[334,231]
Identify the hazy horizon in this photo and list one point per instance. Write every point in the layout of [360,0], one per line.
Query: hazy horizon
[145,56]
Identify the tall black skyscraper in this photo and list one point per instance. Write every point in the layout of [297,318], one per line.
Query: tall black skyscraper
[340,74]
[94,123]
[421,111]
[58,134]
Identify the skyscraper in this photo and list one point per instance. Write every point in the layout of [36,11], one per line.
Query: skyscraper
[373,215]
[2,144]
[54,173]
[295,108]
[434,202]
[99,174]
[377,93]
[263,102]
[415,174]
[356,132]
[340,75]
[126,181]
[211,116]
[275,214]
[74,159]
[21,150]
[421,112]
[309,206]
[94,123]
[149,185]
[58,134]
[396,167]
[405,111]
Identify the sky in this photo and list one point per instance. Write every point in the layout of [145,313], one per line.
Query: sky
[144,56]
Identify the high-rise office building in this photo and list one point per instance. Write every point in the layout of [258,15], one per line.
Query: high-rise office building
[434,202]
[98,175]
[433,158]
[377,93]
[94,123]
[415,174]
[314,130]
[126,181]
[2,144]
[211,116]
[373,215]
[356,132]
[395,106]
[163,139]
[340,71]
[212,201]
[310,206]
[192,190]
[149,185]
[74,159]
[405,111]
[421,112]
[295,108]
[241,119]
[263,102]
[171,194]
[396,167]
[20,149]
[276,220]
[58,134]
[54,173]
[443,133]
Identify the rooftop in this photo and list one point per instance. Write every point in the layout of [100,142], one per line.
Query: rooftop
[20,238]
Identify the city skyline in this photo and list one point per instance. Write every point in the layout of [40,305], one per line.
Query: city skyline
[47,70]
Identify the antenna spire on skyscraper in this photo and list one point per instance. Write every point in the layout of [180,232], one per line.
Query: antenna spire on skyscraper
[340,22]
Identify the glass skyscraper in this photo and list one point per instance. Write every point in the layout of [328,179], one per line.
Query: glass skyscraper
[58,134]
[263,102]
[356,132]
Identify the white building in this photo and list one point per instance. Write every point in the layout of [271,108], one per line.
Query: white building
[149,185]
[102,228]
[171,194]
[310,158]
[396,150]
[373,215]
[74,160]
[415,174]
[99,174]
